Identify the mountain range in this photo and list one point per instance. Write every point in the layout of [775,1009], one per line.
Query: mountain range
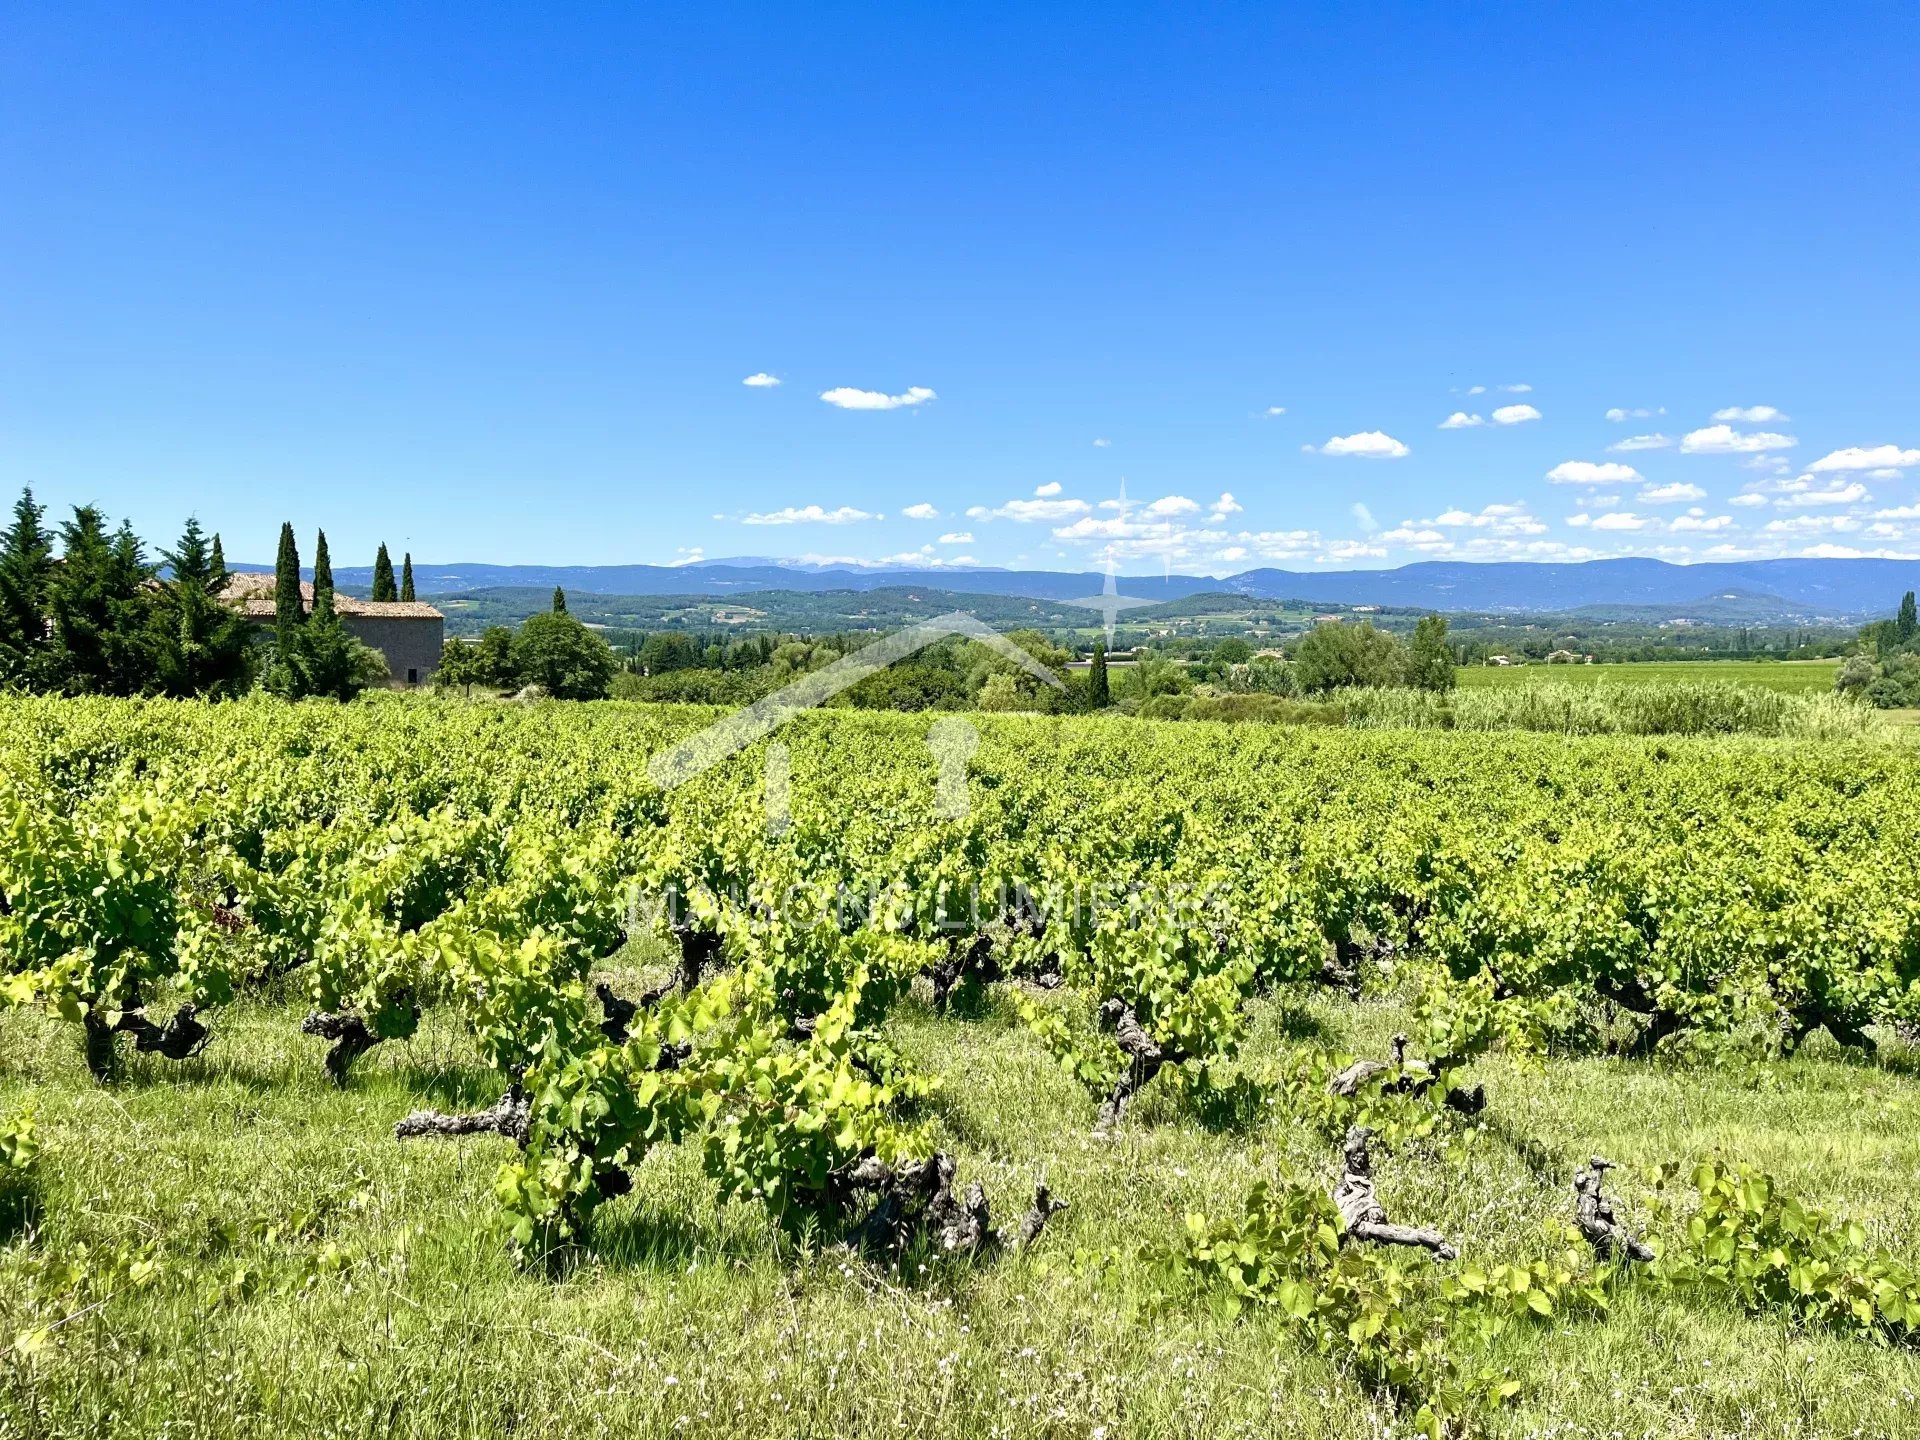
[1783,590]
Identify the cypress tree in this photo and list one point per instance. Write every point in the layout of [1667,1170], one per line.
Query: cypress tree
[1907,624]
[322,572]
[1097,677]
[383,586]
[288,611]
[200,645]
[406,576]
[559,601]
[26,563]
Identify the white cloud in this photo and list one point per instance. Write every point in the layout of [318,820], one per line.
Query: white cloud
[1274,410]
[686,556]
[1614,520]
[1702,522]
[1494,519]
[761,380]
[1226,505]
[1748,499]
[1826,550]
[1772,464]
[1641,442]
[1281,544]
[1834,494]
[1102,443]
[1879,457]
[922,511]
[848,398]
[1725,440]
[956,537]
[1812,525]
[1515,414]
[1902,512]
[1234,552]
[1679,492]
[1367,445]
[1476,389]
[810,515]
[1127,537]
[1028,511]
[1168,505]
[1887,474]
[1460,420]
[1751,414]
[1586,472]
[1048,490]
[1416,538]
[1351,550]
[1619,414]
[1364,518]
[1517,389]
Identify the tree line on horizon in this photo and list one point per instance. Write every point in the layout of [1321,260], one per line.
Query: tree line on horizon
[677,666]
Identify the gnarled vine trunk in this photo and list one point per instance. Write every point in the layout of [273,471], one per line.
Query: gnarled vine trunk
[1361,1211]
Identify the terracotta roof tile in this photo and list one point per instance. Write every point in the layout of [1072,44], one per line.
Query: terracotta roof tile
[252,592]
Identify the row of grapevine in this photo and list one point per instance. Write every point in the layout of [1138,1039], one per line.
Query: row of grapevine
[1143,881]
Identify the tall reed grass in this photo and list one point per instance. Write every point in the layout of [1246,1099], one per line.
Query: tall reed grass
[1680,708]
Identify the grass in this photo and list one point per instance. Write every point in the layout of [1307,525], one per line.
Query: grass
[1792,677]
[317,1278]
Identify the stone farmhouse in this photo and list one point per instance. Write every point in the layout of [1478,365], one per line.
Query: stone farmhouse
[408,633]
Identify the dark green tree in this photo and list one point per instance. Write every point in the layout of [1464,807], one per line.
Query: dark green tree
[494,658]
[289,611]
[1430,658]
[1333,655]
[1907,623]
[1097,689]
[26,566]
[459,666]
[663,652]
[98,600]
[559,601]
[322,571]
[563,657]
[200,645]
[218,560]
[406,576]
[331,662]
[383,586]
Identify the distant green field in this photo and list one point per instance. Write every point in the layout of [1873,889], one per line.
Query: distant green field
[1793,677]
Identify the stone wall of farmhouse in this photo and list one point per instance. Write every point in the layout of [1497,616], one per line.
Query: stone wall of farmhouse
[411,644]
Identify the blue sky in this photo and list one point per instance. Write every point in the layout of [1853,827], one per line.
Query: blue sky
[486,281]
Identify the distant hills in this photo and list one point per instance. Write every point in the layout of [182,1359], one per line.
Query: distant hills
[1760,591]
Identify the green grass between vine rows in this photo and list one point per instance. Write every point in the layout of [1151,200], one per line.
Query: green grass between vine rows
[690,1319]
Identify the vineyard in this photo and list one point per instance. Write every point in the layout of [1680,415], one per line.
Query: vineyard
[427,1068]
